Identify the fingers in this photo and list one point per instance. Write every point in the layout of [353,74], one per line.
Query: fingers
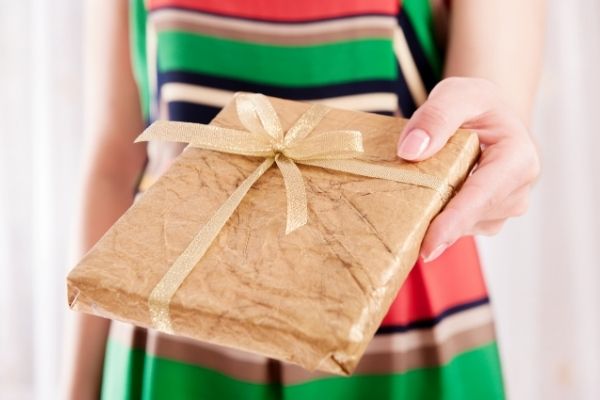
[489,228]
[496,191]
[451,103]
[499,187]
[515,205]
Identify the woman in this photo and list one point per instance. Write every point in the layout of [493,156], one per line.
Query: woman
[185,60]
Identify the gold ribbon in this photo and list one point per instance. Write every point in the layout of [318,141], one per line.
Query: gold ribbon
[335,150]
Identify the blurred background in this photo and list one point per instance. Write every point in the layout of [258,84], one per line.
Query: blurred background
[542,269]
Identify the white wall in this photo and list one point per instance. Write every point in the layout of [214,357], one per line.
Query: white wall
[40,113]
[544,269]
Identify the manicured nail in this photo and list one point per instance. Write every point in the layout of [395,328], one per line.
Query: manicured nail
[436,252]
[413,144]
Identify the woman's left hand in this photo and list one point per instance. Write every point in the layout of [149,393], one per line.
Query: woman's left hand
[499,187]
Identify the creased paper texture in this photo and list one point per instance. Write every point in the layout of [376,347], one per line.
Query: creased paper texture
[314,297]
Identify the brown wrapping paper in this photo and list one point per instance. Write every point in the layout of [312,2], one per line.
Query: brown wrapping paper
[314,297]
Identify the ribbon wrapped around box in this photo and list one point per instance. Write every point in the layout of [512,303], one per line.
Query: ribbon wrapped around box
[299,262]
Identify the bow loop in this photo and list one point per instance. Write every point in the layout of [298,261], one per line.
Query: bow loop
[258,115]
[307,122]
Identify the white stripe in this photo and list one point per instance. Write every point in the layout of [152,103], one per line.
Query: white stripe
[151,61]
[363,102]
[219,98]
[195,94]
[445,329]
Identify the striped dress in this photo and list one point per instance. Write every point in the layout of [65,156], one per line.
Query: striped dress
[437,340]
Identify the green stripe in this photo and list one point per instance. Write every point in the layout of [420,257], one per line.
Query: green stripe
[123,372]
[137,19]
[472,375]
[419,14]
[277,65]
[166,379]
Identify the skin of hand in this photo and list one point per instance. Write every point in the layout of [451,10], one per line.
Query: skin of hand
[492,65]
[500,184]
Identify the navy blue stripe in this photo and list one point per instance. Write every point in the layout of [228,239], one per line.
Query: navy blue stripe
[431,322]
[406,103]
[191,112]
[386,113]
[203,114]
[425,69]
[292,93]
[293,21]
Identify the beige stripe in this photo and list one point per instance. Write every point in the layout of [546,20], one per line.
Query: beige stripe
[219,98]
[409,68]
[418,348]
[275,33]
[393,362]
[238,364]
[284,40]
[443,330]
[153,340]
[431,355]
[393,353]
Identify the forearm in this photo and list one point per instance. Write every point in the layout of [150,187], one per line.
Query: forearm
[501,41]
[84,361]
[105,199]
[113,166]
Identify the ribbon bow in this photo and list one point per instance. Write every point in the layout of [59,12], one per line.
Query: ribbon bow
[335,150]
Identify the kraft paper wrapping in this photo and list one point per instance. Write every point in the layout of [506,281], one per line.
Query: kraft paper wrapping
[314,297]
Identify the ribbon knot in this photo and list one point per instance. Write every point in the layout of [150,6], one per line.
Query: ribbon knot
[264,137]
[278,149]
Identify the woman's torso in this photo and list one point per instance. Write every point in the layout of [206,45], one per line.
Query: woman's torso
[370,55]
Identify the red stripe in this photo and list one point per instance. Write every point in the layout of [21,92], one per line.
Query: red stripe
[453,279]
[283,10]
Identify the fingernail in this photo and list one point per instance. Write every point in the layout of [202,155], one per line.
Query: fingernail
[436,252]
[413,144]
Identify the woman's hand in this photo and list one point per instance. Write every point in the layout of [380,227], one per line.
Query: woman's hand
[499,187]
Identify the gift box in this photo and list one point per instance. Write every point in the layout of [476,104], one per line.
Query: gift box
[284,229]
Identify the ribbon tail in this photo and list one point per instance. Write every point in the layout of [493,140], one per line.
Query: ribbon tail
[406,176]
[297,205]
[163,292]
[172,131]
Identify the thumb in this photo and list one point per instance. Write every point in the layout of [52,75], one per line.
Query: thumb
[451,103]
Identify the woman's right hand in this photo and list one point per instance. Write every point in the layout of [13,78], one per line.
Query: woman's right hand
[499,187]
